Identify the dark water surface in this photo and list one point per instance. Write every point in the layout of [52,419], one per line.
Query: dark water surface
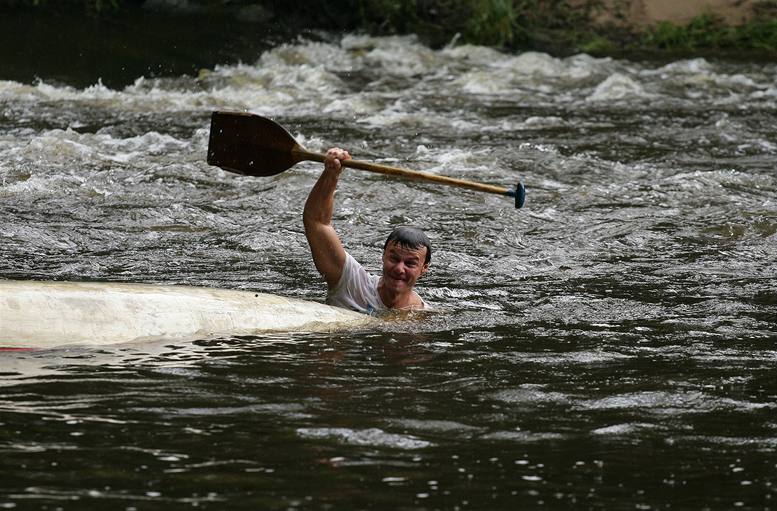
[610,346]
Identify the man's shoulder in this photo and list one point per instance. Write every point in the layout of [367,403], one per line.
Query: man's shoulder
[419,303]
[354,266]
[357,288]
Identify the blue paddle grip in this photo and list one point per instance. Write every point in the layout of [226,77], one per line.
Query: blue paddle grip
[519,193]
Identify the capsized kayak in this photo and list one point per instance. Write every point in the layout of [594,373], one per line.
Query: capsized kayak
[48,314]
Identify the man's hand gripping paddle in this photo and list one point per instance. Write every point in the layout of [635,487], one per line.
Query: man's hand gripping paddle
[256,146]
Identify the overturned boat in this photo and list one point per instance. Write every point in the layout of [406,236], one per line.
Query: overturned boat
[45,314]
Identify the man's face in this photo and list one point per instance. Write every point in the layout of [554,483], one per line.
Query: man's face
[402,266]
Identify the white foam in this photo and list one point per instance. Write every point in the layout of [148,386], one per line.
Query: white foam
[367,437]
[379,79]
[17,91]
[618,87]
[68,147]
[530,394]
[397,55]
[476,54]
[692,66]
[536,122]
[310,54]
[624,429]
[485,82]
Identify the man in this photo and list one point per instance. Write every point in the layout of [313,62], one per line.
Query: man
[406,254]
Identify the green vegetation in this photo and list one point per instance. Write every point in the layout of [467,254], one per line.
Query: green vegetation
[546,24]
[493,22]
[555,26]
[706,32]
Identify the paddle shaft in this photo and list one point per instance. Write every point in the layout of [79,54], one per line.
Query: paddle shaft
[301,154]
[257,146]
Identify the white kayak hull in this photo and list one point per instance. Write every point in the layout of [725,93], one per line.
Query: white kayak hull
[48,314]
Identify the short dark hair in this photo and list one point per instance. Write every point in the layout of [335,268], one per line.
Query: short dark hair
[410,237]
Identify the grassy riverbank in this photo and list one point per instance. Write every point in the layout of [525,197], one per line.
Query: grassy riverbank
[555,26]
[567,26]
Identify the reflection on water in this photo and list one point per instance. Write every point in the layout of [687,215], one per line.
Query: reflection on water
[609,346]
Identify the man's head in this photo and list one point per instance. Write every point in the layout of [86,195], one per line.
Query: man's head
[406,256]
[412,238]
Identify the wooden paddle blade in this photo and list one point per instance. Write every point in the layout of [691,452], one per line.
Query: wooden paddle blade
[250,144]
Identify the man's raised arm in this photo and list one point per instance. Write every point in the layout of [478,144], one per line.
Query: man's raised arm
[328,252]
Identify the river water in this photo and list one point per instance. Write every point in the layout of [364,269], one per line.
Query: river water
[609,346]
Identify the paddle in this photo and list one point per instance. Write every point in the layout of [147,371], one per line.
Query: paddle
[256,146]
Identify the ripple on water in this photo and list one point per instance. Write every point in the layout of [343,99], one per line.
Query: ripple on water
[674,403]
[371,437]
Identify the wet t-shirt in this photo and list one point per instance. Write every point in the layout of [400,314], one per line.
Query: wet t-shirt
[357,290]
